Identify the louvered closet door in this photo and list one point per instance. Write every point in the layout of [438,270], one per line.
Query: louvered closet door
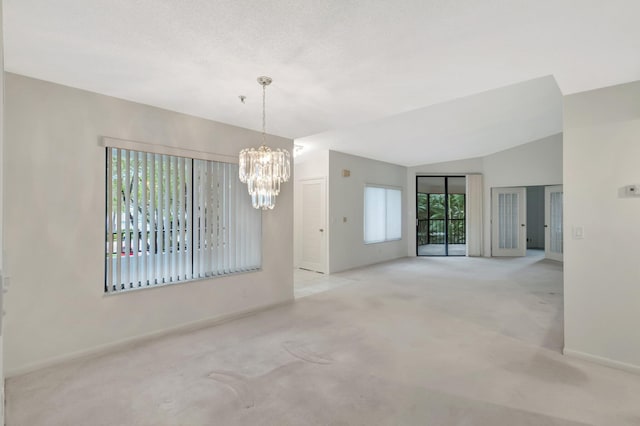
[508,225]
[553,235]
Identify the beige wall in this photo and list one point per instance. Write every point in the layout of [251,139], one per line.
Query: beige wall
[345,199]
[54,216]
[602,270]
[347,249]
[2,286]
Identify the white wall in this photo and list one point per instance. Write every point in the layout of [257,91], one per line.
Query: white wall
[346,200]
[308,165]
[535,163]
[1,220]
[602,271]
[54,235]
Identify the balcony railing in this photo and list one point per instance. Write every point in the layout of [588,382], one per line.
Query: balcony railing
[431,231]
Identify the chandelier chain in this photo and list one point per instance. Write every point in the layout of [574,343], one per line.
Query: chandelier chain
[264,114]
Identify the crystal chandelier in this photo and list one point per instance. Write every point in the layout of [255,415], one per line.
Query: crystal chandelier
[264,169]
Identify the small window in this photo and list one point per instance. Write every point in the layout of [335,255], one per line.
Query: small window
[173,219]
[382,214]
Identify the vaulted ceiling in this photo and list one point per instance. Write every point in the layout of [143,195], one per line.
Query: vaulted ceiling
[358,76]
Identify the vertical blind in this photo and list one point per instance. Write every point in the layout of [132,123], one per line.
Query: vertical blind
[474,215]
[172,219]
[382,214]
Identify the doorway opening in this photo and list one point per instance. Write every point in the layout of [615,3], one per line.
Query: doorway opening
[527,221]
[441,216]
[535,218]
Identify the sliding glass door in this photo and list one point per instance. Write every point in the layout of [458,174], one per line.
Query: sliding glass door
[441,224]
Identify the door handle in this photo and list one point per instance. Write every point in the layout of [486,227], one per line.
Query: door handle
[321,230]
[546,226]
[522,224]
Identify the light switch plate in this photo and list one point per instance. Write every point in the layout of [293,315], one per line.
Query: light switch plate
[578,233]
[632,190]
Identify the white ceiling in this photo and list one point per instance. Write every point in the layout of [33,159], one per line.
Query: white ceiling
[472,126]
[337,64]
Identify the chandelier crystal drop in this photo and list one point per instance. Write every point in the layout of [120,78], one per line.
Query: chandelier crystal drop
[263,169]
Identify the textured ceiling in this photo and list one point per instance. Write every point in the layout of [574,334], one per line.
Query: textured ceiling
[336,63]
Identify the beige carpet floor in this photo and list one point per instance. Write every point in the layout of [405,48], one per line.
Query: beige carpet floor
[417,341]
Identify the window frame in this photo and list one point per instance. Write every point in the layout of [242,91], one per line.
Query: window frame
[188,154]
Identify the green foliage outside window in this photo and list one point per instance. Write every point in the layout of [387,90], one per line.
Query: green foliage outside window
[431,218]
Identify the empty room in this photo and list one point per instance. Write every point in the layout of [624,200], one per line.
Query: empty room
[320,212]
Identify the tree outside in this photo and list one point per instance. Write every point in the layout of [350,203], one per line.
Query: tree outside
[431,218]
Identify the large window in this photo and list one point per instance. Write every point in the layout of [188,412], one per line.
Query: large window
[172,219]
[382,214]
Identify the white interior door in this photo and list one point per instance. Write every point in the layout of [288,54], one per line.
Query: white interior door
[314,238]
[553,235]
[508,224]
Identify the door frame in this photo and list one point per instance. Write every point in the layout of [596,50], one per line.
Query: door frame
[446,214]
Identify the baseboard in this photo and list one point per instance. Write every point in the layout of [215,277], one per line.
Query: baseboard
[632,368]
[132,341]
